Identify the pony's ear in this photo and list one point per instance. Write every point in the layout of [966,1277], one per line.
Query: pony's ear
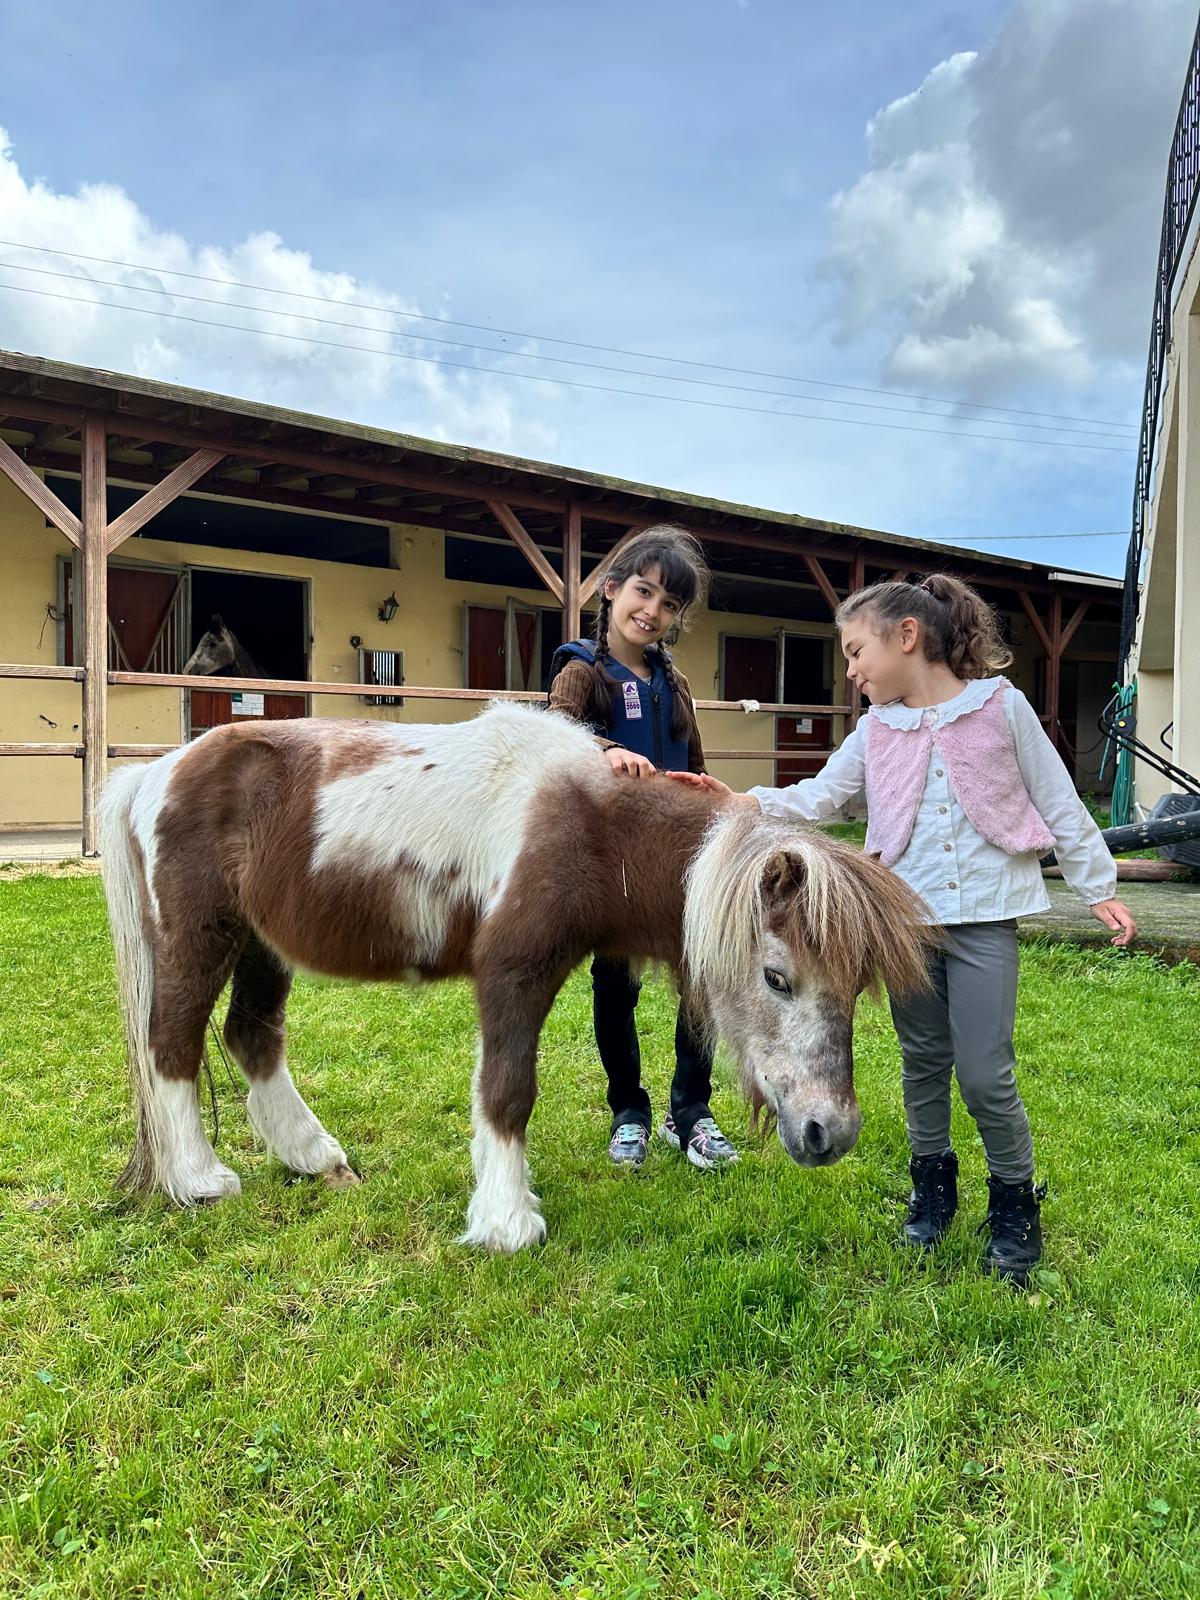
[216,625]
[782,875]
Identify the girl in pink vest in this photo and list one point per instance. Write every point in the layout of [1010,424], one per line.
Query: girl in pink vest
[964,792]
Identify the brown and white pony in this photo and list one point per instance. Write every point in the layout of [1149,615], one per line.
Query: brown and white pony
[502,848]
[221,651]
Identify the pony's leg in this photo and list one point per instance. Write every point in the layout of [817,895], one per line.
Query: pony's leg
[504,1213]
[254,1032]
[171,1136]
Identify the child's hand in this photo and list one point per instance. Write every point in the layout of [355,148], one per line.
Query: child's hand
[1115,914]
[705,780]
[702,780]
[629,762]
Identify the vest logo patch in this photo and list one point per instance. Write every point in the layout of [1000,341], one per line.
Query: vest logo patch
[633,703]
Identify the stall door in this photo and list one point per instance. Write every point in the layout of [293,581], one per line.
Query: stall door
[806,678]
[269,618]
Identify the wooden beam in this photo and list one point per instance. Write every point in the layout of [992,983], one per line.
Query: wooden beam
[154,500]
[179,680]
[95,624]
[32,487]
[222,487]
[571,546]
[18,669]
[54,434]
[1038,626]
[37,749]
[268,477]
[508,520]
[1077,617]
[592,582]
[832,598]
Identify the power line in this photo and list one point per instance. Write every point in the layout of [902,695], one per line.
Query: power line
[1008,538]
[575,344]
[527,355]
[538,377]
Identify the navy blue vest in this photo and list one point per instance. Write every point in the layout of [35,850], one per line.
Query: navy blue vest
[640,717]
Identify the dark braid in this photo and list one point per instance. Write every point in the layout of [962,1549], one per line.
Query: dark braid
[680,722]
[603,682]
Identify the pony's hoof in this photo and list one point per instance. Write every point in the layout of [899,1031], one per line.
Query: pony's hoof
[505,1235]
[341,1177]
[222,1184]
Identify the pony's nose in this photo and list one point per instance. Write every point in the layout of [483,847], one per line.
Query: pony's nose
[816,1139]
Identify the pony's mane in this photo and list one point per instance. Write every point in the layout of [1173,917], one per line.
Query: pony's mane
[859,923]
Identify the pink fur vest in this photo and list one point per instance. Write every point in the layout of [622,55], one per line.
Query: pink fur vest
[981,761]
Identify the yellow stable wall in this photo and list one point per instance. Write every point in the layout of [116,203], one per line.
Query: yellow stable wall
[428,627]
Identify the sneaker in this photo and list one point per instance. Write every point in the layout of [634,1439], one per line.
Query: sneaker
[707,1148]
[627,1147]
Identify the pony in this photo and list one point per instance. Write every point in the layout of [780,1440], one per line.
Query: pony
[220,651]
[503,849]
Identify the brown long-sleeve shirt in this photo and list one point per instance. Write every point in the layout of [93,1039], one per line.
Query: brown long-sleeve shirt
[571,693]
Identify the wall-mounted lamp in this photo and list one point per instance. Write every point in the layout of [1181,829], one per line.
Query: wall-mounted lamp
[389,608]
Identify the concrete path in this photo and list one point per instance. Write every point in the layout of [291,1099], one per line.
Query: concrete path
[1168,918]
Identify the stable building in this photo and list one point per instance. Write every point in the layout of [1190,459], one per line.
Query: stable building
[365,573]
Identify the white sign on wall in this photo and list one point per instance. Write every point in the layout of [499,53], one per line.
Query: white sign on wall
[248,705]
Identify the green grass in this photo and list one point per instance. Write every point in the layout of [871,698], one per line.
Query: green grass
[735,1386]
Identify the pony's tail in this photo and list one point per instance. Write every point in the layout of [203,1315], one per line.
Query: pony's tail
[127,893]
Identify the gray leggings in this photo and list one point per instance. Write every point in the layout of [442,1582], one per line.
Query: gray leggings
[964,1024]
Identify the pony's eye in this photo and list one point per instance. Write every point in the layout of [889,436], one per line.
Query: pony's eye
[776,980]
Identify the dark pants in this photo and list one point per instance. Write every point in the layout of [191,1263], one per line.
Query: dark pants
[963,1026]
[614,1000]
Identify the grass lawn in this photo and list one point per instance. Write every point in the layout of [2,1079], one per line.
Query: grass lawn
[732,1386]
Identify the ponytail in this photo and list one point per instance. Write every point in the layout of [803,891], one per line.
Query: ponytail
[957,625]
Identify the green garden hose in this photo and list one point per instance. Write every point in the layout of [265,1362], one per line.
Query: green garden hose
[1122,789]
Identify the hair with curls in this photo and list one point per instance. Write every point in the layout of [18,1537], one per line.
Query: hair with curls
[957,625]
[683,573]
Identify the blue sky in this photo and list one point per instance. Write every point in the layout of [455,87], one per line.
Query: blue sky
[933,199]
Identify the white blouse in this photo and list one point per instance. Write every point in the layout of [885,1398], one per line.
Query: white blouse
[957,872]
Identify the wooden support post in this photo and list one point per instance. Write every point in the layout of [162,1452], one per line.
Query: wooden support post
[858,573]
[572,540]
[511,523]
[95,624]
[1054,669]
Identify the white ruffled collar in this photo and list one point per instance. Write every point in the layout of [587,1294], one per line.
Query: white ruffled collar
[977,692]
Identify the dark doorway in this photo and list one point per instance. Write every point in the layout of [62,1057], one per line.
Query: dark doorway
[269,618]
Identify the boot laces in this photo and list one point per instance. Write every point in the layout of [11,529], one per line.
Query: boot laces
[1007,1218]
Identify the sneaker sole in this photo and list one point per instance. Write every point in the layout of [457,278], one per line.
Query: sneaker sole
[705,1165]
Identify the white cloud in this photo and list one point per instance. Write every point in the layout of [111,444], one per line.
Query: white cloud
[1006,230]
[101,220]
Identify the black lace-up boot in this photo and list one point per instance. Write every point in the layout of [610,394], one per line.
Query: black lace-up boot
[1014,1218]
[934,1198]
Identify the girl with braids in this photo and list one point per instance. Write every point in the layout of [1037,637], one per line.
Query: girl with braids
[964,793]
[625,687]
